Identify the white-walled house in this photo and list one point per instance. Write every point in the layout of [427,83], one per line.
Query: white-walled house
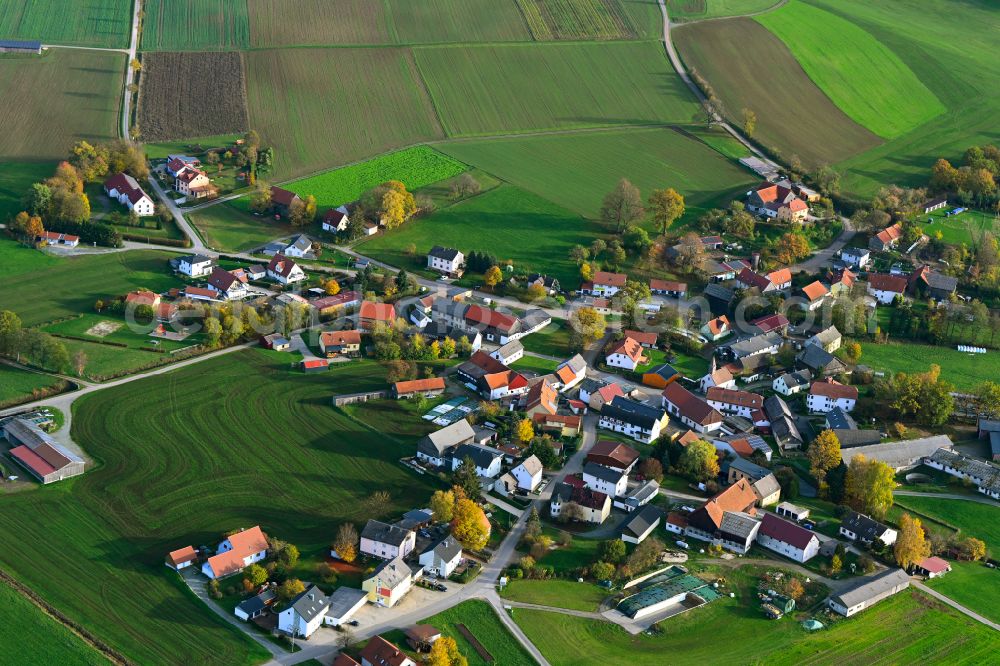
[336,220]
[611,482]
[387,541]
[791,383]
[635,419]
[607,284]
[788,539]
[828,394]
[626,354]
[304,614]
[509,353]
[236,552]
[487,460]
[528,474]
[390,581]
[446,260]
[195,265]
[859,527]
[442,557]
[125,189]
[283,270]
[886,288]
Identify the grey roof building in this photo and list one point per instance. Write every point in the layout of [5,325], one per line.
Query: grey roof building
[630,411]
[310,603]
[603,473]
[758,344]
[900,455]
[819,360]
[870,591]
[438,443]
[838,419]
[783,427]
[445,253]
[481,456]
[445,548]
[866,528]
[381,532]
[850,439]
[642,521]
[735,523]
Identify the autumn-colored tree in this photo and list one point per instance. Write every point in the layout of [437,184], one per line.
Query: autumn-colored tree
[255,574]
[332,287]
[869,484]
[851,352]
[447,348]
[587,325]
[972,548]
[443,505]
[749,122]
[586,272]
[790,247]
[667,205]
[794,588]
[290,589]
[911,545]
[444,652]
[260,198]
[345,544]
[536,292]
[836,564]
[651,468]
[525,431]
[34,228]
[823,455]
[493,276]
[699,461]
[469,525]
[378,503]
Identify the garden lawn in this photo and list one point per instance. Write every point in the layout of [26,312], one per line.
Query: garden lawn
[102,23]
[577,171]
[267,450]
[195,25]
[906,628]
[436,21]
[970,518]
[580,553]
[553,340]
[862,76]
[30,637]
[481,620]
[198,145]
[507,221]
[368,101]
[540,366]
[18,259]
[17,384]
[63,96]
[226,227]
[972,584]
[965,228]
[70,286]
[690,366]
[15,179]
[963,370]
[414,167]
[558,593]
[494,89]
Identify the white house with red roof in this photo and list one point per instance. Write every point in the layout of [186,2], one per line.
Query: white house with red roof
[607,284]
[717,328]
[689,409]
[778,280]
[175,163]
[494,325]
[284,270]
[125,189]
[886,288]
[787,538]
[237,552]
[181,558]
[336,220]
[827,394]
[886,239]
[227,285]
[626,354]
[775,201]
[668,288]
[729,401]
[815,294]
[57,239]
[193,182]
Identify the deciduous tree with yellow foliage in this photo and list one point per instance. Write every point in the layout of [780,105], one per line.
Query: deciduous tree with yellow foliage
[911,545]
[469,525]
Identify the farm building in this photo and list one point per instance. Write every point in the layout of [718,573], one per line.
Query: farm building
[660,376]
[181,558]
[787,538]
[344,603]
[55,238]
[340,343]
[901,455]
[641,524]
[428,388]
[789,510]
[869,592]
[39,454]
[674,588]
[275,341]
[985,475]
[255,606]
[18,46]
[125,189]
[932,567]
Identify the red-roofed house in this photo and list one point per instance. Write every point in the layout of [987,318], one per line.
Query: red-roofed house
[429,388]
[932,567]
[236,552]
[827,394]
[283,270]
[181,558]
[126,190]
[776,322]
[282,200]
[340,343]
[886,288]
[496,385]
[741,403]
[717,328]
[193,182]
[886,239]
[815,293]
[625,354]
[777,202]
[607,284]
[614,455]
[645,338]
[788,539]
[727,518]
[541,398]
[372,313]
[227,284]
[841,282]
[494,325]
[380,652]
[563,425]
[691,410]
[142,297]
[668,288]
[336,220]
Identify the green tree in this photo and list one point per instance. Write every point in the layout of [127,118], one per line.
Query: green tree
[38,198]
[255,574]
[442,504]
[466,478]
[612,551]
[749,122]
[10,333]
[699,461]
[602,571]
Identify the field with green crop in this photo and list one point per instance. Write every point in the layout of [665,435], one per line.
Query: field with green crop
[62,96]
[70,286]
[15,179]
[481,620]
[793,114]
[32,638]
[268,450]
[558,593]
[103,23]
[577,19]
[506,221]
[701,9]
[17,259]
[905,628]
[970,518]
[509,88]
[864,78]
[415,167]
[195,25]
[228,227]
[972,584]
[17,384]
[367,102]
[577,171]
[436,21]
[317,22]
[963,370]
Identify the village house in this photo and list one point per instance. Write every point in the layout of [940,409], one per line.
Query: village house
[446,260]
[282,200]
[38,453]
[886,288]
[494,325]
[668,288]
[841,282]
[181,558]
[774,201]
[887,239]
[829,339]
[437,447]
[614,455]
[528,474]
[788,539]
[300,246]
[371,313]
[227,286]
[716,376]
[486,460]
[386,541]
[56,239]
[775,322]
[571,372]
[611,482]
[626,354]
[428,388]
[548,283]
[791,383]
[716,329]
[177,163]
[336,220]
[193,182]
[827,394]
[635,419]
[819,361]
[388,583]
[200,294]
[195,265]
[743,446]
[727,519]
[647,339]
[815,294]
[327,306]
[639,496]
[237,552]
[869,591]
[856,257]
[927,281]
[509,353]
[597,393]
[595,506]
[284,271]
[782,423]
[774,281]
[729,401]
[859,527]
[441,557]
[763,482]
[125,189]
[340,343]
[691,410]
[497,385]
[641,524]
[304,614]
[478,366]
[605,284]
[540,398]
[379,652]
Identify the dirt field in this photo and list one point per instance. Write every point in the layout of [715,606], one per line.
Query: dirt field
[103,328]
[191,94]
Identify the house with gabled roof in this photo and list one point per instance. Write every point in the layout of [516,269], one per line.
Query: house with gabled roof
[774,201]
[304,613]
[641,524]
[647,339]
[595,505]
[441,557]
[791,383]
[730,401]
[227,285]
[195,265]
[430,387]
[528,473]
[571,372]
[869,591]
[615,455]
[372,312]
[815,294]
[925,280]
[386,541]
[487,460]
[540,398]
[607,284]
[829,339]
[282,199]
[597,393]
[495,326]
[626,354]
[727,519]
[236,552]
[560,425]
[284,270]
[859,527]
[886,288]
[436,448]
[445,260]
[635,419]
[126,190]
[716,329]
[689,409]
[782,423]
[341,343]
[826,394]
[336,220]
[887,239]
[40,454]
[181,558]
[716,376]
[788,539]
[819,361]
[300,246]
[193,182]
[386,585]
[509,353]
[764,483]
[775,322]
[668,288]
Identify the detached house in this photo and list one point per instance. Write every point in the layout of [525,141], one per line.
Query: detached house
[791,383]
[886,239]
[611,482]
[727,519]
[595,506]
[299,247]
[437,447]
[495,326]
[828,394]
[635,419]
[226,285]
[775,201]
[509,353]
[856,257]
[721,377]
[859,527]
[441,557]
[283,270]
[740,403]
[572,372]
[788,539]
[125,189]
[236,552]
[445,260]
[690,410]
[626,354]
[371,313]
[717,328]
[612,454]
[342,343]
[193,182]
[386,541]
[886,288]
[385,586]
[778,280]
[336,220]
[606,284]
[486,460]
[814,293]
[194,265]
[528,473]
[829,339]
[304,614]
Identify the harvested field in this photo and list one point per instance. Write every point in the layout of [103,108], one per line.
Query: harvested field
[61,97]
[318,22]
[192,94]
[102,23]
[793,114]
[577,19]
[435,21]
[192,25]
[366,102]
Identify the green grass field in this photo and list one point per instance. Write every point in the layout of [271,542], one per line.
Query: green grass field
[534,364]
[522,87]
[70,286]
[102,23]
[317,22]
[972,584]
[577,171]
[967,227]
[415,167]
[864,78]
[437,21]
[481,620]
[195,25]
[367,102]
[15,179]
[33,638]
[227,227]
[553,340]
[970,518]
[557,593]
[793,114]
[577,19]
[507,221]
[62,96]
[963,370]
[270,449]
[905,628]
[16,385]
[18,259]
[685,10]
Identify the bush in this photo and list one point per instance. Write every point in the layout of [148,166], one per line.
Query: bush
[603,571]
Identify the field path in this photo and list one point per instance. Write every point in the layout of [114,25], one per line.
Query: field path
[950,496]
[767,10]
[129,73]
[83,48]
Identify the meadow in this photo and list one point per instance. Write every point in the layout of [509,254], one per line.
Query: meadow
[161,149]
[864,78]
[902,629]
[267,450]
[70,286]
[415,167]
[367,102]
[18,259]
[481,620]
[101,23]
[519,87]
[17,384]
[15,179]
[195,25]
[965,228]
[969,518]
[577,171]
[62,96]
[318,22]
[685,10]
[558,593]
[228,227]
[32,638]
[972,584]
[793,114]
[506,221]
[553,340]
[963,370]
[576,19]
[436,21]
